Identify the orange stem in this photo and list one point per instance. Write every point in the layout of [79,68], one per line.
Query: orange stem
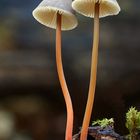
[69,125]
[92,86]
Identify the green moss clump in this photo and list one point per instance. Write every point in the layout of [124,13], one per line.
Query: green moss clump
[133,123]
[104,122]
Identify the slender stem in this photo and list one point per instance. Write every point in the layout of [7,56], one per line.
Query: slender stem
[92,85]
[69,125]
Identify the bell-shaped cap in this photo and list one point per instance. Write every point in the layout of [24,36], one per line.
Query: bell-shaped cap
[86,7]
[46,13]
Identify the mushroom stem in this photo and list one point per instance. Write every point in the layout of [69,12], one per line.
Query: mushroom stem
[92,86]
[69,125]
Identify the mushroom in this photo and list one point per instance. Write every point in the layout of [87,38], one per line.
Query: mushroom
[58,14]
[94,9]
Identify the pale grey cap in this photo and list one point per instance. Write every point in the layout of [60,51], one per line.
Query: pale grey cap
[46,13]
[86,7]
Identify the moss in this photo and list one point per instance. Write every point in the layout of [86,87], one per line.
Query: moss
[133,123]
[104,122]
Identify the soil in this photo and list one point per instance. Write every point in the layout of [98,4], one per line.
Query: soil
[100,133]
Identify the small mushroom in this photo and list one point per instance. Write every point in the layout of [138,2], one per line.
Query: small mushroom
[48,10]
[58,14]
[94,9]
[87,7]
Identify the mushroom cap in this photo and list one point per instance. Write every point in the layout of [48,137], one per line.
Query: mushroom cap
[86,7]
[46,13]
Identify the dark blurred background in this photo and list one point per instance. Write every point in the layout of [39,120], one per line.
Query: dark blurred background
[31,102]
